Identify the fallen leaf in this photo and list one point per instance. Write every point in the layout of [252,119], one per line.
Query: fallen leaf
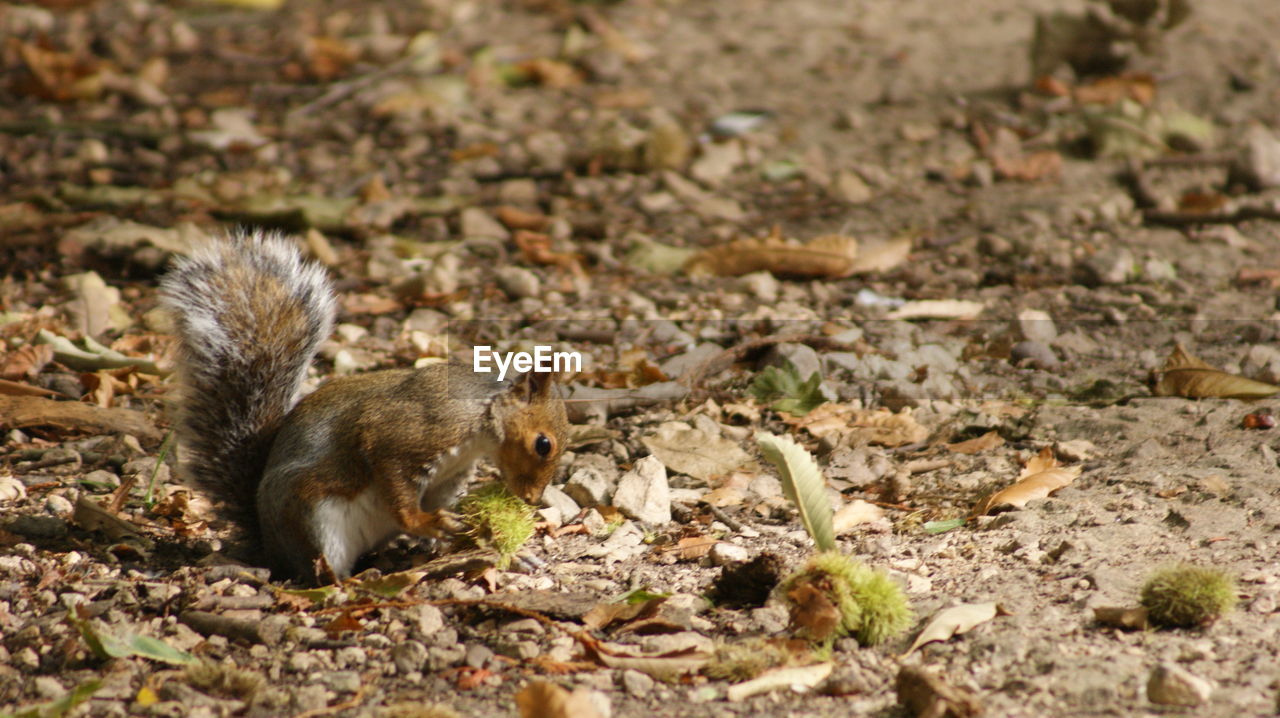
[854,513]
[692,548]
[954,621]
[1139,87]
[57,76]
[882,257]
[937,309]
[938,527]
[1041,477]
[25,361]
[989,440]
[605,615]
[927,695]
[658,258]
[61,706]
[1131,619]
[1186,376]
[20,412]
[791,679]
[881,426]
[686,450]
[342,623]
[547,700]
[105,645]
[830,256]
[665,666]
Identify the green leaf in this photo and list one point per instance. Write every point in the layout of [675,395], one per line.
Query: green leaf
[104,645]
[938,527]
[61,706]
[391,585]
[803,483]
[783,390]
[157,650]
[317,596]
[641,595]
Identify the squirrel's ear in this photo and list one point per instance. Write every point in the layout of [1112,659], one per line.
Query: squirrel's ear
[535,385]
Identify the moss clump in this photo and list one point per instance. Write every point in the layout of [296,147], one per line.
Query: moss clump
[220,679]
[745,660]
[1186,596]
[498,519]
[868,605]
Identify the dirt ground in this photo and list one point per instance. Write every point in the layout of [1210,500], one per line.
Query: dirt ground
[510,170]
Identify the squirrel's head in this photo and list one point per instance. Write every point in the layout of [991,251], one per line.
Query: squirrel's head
[533,431]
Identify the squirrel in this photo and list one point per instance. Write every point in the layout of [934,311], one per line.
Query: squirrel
[319,481]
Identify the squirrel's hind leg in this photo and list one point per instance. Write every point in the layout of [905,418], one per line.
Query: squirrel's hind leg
[344,529]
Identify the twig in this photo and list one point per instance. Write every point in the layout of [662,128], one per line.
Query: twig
[1190,219]
[354,701]
[341,90]
[725,518]
[729,356]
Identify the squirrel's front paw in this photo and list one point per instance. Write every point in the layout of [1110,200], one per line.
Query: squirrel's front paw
[433,524]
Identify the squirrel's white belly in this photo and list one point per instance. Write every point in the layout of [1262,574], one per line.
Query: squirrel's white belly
[344,529]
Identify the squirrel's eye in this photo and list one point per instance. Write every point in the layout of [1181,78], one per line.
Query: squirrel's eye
[542,445]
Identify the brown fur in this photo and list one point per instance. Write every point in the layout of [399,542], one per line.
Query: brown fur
[396,445]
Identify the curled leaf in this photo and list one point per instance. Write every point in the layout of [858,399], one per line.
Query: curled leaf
[781,679]
[1187,376]
[954,621]
[830,256]
[1041,477]
[803,483]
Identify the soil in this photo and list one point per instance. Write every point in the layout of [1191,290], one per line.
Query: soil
[393,135]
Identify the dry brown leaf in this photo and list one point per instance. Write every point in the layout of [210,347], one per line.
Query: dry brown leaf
[1040,477]
[535,247]
[928,695]
[57,76]
[989,440]
[692,548]
[882,257]
[854,513]
[830,256]
[666,666]
[954,621]
[1128,618]
[547,700]
[687,450]
[342,623]
[25,361]
[1187,376]
[551,73]
[881,426]
[19,412]
[516,218]
[1139,87]
[724,496]
[886,428]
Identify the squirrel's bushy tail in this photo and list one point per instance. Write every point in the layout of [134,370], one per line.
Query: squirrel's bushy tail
[250,314]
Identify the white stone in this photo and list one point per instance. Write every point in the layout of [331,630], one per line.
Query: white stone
[643,493]
[1171,685]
